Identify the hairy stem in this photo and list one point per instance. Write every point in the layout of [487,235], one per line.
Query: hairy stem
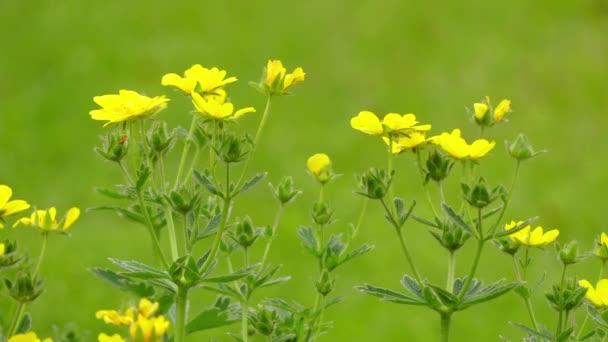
[446,319]
[275,225]
[527,299]
[155,242]
[182,162]
[451,270]
[180,314]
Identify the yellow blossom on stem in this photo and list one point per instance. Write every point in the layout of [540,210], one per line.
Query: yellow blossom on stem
[367,122]
[404,142]
[210,80]
[126,105]
[598,296]
[7,207]
[454,145]
[529,237]
[276,79]
[320,167]
[147,308]
[2,248]
[602,247]
[29,337]
[114,317]
[114,338]
[213,109]
[46,220]
[480,110]
[501,110]
[160,326]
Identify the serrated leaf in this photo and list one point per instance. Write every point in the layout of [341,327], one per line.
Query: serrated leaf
[251,183]
[225,278]
[532,331]
[488,293]
[425,221]
[123,282]
[211,318]
[26,324]
[412,286]
[225,290]
[596,316]
[211,228]
[387,295]
[355,253]
[457,219]
[204,181]
[114,194]
[137,269]
[309,241]
[275,281]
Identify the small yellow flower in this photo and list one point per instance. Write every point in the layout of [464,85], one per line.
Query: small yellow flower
[598,296]
[126,105]
[408,142]
[480,110]
[479,148]
[46,220]
[147,308]
[454,145]
[29,337]
[218,110]
[8,208]
[114,317]
[502,109]
[277,81]
[210,80]
[114,338]
[367,122]
[160,326]
[2,248]
[602,248]
[320,167]
[529,237]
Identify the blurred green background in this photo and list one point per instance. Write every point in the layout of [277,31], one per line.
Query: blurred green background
[432,58]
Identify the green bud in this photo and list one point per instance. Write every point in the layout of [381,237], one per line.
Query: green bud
[451,237]
[375,183]
[568,253]
[325,284]
[285,192]
[233,149]
[184,271]
[114,146]
[211,208]
[183,200]
[322,213]
[478,195]
[521,149]
[246,234]
[9,256]
[507,245]
[438,167]
[265,321]
[26,287]
[159,140]
[568,298]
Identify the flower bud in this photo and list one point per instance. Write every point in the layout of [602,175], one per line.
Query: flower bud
[568,253]
[246,233]
[26,287]
[8,254]
[568,297]
[265,321]
[501,110]
[322,213]
[521,149]
[374,183]
[184,271]
[319,166]
[452,237]
[481,113]
[285,192]
[438,167]
[158,138]
[325,284]
[183,200]
[233,149]
[507,246]
[114,146]
[276,80]
[478,195]
[601,249]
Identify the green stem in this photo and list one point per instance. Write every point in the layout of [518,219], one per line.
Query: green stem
[358,226]
[561,311]
[150,226]
[187,241]
[121,164]
[192,165]
[409,257]
[256,140]
[16,319]
[320,320]
[161,168]
[42,251]
[527,299]
[426,188]
[180,314]
[507,200]
[471,274]
[171,229]
[446,319]
[244,321]
[451,270]
[182,162]
[277,220]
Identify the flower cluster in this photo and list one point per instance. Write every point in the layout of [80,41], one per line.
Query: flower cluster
[142,321]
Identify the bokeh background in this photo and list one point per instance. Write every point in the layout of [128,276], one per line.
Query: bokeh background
[432,58]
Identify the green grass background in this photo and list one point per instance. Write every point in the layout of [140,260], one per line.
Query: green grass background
[432,58]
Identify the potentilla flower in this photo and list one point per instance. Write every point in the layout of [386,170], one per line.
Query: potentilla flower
[598,296]
[213,109]
[2,249]
[29,337]
[320,167]
[602,247]
[480,110]
[148,327]
[114,317]
[8,208]
[367,122]
[404,142]
[210,81]
[529,237]
[147,308]
[502,109]
[277,81]
[126,105]
[46,220]
[454,145]
[114,338]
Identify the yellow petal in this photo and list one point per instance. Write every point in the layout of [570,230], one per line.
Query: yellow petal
[160,326]
[5,194]
[243,111]
[480,148]
[604,239]
[2,248]
[71,217]
[318,163]
[114,338]
[147,308]
[367,122]
[14,207]
[480,110]
[550,236]
[26,221]
[502,109]
[602,291]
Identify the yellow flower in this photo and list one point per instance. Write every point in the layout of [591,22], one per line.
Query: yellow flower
[114,338]
[602,248]
[502,109]
[406,142]
[598,296]
[46,220]
[320,167]
[367,122]
[126,105]
[2,249]
[113,317]
[147,308]
[454,145]
[29,337]
[277,81]
[8,208]
[213,109]
[529,237]
[210,80]
[480,110]
[160,326]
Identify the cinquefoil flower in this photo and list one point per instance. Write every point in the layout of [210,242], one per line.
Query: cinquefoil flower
[454,145]
[276,80]
[406,142]
[529,237]
[7,207]
[483,112]
[320,167]
[367,122]
[2,248]
[126,105]
[213,109]
[46,220]
[209,81]
[502,109]
[598,296]
[114,338]
[29,337]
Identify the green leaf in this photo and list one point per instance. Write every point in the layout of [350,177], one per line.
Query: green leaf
[519,227]
[457,219]
[224,290]
[309,241]
[211,228]
[203,180]
[274,281]
[114,194]
[596,316]
[136,269]
[143,174]
[26,324]
[251,183]
[532,331]
[490,292]
[412,286]
[123,282]
[225,278]
[446,297]
[387,295]
[402,214]
[355,253]
[425,221]
[211,318]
